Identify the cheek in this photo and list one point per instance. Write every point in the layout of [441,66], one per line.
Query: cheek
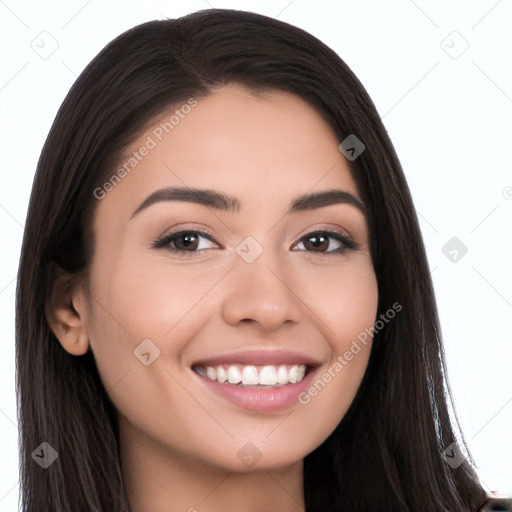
[345,299]
[348,307]
[139,301]
[139,324]
[147,314]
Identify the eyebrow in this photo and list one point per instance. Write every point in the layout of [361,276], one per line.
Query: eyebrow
[224,202]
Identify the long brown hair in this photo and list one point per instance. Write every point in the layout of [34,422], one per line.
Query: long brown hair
[386,454]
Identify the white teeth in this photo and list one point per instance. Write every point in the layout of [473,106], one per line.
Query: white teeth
[234,375]
[251,375]
[282,375]
[221,374]
[268,376]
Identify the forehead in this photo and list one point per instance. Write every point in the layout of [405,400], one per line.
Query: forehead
[270,146]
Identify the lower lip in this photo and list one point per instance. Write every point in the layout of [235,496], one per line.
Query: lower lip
[260,399]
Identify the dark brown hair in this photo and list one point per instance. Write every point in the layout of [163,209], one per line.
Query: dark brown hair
[386,454]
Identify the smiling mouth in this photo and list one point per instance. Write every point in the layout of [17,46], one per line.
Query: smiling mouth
[257,376]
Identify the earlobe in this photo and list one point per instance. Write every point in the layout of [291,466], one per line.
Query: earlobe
[65,316]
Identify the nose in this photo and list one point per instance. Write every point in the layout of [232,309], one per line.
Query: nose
[260,294]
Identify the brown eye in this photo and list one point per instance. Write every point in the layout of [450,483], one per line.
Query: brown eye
[325,242]
[316,242]
[186,242]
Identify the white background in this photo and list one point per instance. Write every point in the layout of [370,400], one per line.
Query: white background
[449,119]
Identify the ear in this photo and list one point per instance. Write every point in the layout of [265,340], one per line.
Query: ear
[65,313]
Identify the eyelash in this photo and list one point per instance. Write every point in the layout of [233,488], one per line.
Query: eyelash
[167,239]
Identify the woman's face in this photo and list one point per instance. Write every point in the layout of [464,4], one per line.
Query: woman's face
[220,255]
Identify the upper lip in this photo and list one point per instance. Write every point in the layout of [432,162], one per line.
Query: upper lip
[259,357]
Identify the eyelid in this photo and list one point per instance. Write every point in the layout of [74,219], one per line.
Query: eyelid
[328,228]
[185,227]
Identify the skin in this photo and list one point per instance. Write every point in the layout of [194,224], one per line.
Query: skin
[179,441]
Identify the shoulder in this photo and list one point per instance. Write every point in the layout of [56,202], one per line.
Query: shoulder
[497,504]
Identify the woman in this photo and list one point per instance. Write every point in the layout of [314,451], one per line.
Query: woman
[224,301]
